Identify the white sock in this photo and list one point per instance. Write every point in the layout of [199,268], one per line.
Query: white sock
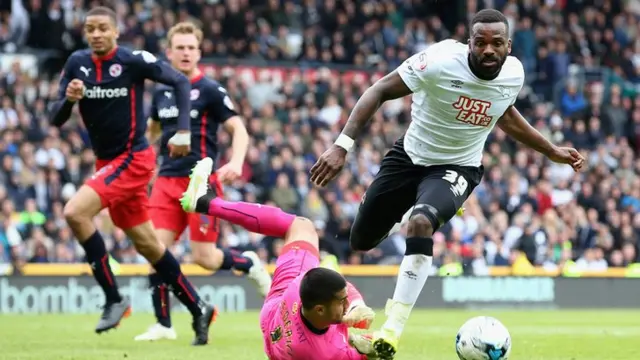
[413,274]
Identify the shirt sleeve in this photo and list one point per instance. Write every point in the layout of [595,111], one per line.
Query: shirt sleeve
[153,110]
[60,109]
[349,353]
[159,71]
[520,80]
[221,106]
[418,70]
[344,350]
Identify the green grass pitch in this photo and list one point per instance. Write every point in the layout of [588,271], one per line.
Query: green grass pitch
[537,335]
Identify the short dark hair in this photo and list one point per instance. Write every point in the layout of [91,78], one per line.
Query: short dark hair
[319,286]
[488,16]
[103,11]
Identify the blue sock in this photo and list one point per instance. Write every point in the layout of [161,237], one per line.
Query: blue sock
[235,260]
[169,270]
[98,258]
[161,300]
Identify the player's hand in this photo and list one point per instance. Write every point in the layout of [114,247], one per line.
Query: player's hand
[359,316]
[75,90]
[328,165]
[180,144]
[229,172]
[364,345]
[570,156]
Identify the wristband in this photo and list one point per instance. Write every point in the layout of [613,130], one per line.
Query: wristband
[180,139]
[345,142]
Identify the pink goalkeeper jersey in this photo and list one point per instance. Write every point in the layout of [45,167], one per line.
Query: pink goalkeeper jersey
[286,337]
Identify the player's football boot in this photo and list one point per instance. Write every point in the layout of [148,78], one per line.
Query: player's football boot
[157,332]
[258,273]
[331,262]
[112,314]
[385,341]
[198,185]
[359,316]
[201,325]
[385,344]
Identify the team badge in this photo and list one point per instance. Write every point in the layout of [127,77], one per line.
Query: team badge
[115,70]
[195,94]
[421,62]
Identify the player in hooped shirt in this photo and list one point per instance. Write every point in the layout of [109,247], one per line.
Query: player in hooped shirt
[459,93]
[308,310]
[210,108]
[107,82]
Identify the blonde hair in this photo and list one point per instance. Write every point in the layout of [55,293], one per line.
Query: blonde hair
[185,28]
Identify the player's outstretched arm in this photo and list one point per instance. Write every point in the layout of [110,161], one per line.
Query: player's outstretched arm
[516,126]
[162,72]
[154,127]
[239,138]
[356,347]
[60,109]
[363,345]
[154,131]
[224,109]
[388,88]
[329,165]
[232,170]
[359,315]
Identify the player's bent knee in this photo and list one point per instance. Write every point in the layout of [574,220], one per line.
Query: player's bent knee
[207,255]
[363,237]
[146,242]
[82,207]
[419,232]
[166,237]
[421,223]
[302,229]
[73,215]
[357,242]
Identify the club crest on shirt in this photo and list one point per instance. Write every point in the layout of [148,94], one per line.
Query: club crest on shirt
[115,70]
[276,335]
[504,91]
[421,62]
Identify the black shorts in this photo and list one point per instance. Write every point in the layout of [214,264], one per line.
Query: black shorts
[436,191]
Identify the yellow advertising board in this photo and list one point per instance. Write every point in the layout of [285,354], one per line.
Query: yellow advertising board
[347,270]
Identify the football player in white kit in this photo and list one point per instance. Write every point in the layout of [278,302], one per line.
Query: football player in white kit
[460,92]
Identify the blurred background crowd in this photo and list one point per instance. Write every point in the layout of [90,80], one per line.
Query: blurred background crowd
[296,68]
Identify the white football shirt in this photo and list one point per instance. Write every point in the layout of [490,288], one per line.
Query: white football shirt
[452,110]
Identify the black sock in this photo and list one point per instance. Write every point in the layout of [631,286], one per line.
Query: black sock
[161,300]
[202,204]
[98,258]
[235,260]
[169,270]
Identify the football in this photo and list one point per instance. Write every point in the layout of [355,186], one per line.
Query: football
[483,338]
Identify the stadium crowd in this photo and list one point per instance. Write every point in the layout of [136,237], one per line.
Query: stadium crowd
[582,60]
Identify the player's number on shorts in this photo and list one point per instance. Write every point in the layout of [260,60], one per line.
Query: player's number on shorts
[458,182]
